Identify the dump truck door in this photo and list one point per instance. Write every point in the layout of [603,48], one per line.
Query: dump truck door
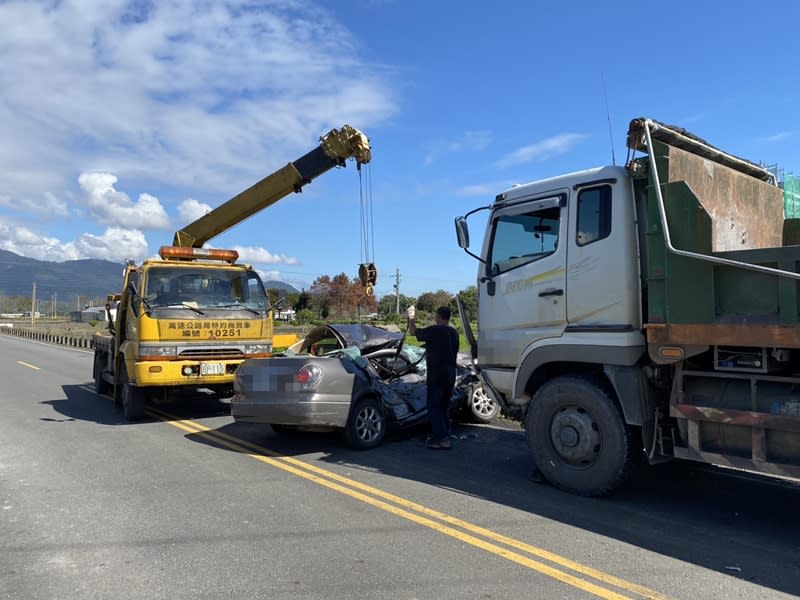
[522,293]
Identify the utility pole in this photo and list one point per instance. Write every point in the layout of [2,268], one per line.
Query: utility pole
[397,289]
[33,306]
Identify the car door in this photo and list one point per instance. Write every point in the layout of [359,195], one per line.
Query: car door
[521,295]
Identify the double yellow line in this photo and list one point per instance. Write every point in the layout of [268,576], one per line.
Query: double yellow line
[560,568]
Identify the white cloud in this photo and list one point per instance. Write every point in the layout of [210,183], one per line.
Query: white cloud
[269,275]
[25,242]
[250,254]
[46,206]
[488,189]
[778,137]
[469,141]
[190,210]
[110,207]
[115,245]
[548,148]
[193,93]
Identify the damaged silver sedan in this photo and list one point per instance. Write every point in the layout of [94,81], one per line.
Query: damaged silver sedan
[356,378]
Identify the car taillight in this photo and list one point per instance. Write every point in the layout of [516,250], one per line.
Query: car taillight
[308,375]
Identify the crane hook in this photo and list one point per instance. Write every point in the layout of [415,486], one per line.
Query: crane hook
[368,275]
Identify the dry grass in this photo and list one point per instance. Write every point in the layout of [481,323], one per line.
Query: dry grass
[59,327]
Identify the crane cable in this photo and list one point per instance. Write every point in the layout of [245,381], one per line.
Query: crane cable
[367,272]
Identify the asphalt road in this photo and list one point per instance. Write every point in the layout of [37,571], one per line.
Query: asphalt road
[188,504]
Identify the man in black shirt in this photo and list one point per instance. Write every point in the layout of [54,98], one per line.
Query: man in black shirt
[441,348]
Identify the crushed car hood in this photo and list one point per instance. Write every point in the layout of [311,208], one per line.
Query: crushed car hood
[364,337]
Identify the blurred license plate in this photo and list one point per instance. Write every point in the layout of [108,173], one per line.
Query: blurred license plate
[212,369]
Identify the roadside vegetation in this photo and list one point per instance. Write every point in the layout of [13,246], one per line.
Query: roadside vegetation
[337,299]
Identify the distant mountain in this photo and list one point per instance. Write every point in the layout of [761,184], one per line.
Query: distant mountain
[89,278]
[69,280]
[280,286]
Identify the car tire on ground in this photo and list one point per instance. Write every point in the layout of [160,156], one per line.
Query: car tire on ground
[101,386]
[366,425]
[132,397]
[480,405]
[578,437]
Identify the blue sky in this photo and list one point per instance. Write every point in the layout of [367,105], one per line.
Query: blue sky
[123,121]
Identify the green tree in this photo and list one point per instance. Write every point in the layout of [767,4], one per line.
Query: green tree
[469,300]
[388,304]
[303,301]
[290,298]
[430,301]
[272,294]
[304,316]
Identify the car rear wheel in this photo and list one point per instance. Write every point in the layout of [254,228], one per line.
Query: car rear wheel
[481,406]
[366,425]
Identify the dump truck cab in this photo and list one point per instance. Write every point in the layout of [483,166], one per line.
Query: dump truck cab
[544,283]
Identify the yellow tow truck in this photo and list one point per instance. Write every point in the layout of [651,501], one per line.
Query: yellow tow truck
[186,320]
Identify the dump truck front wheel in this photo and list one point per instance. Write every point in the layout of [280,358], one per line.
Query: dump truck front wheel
[578,438]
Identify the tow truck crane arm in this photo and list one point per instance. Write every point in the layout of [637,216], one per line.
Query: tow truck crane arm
[334,149]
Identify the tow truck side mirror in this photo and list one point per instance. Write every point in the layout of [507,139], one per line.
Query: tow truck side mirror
[109,319]
[134,300]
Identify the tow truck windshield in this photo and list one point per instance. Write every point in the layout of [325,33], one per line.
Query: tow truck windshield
[199,288]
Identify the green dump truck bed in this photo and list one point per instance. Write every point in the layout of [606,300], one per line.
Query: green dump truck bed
[725,220]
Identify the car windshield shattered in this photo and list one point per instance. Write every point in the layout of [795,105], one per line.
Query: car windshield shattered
[199,288]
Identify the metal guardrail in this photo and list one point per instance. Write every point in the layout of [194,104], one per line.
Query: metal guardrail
[43,336]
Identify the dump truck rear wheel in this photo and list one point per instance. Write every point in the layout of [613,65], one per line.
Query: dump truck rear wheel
[578,437]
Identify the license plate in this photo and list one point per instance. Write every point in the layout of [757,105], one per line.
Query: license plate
[212,369]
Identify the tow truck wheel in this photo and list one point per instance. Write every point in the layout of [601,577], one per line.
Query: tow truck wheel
[132,398]
[481,406]
[578,438]
[101,386]
[366,425]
